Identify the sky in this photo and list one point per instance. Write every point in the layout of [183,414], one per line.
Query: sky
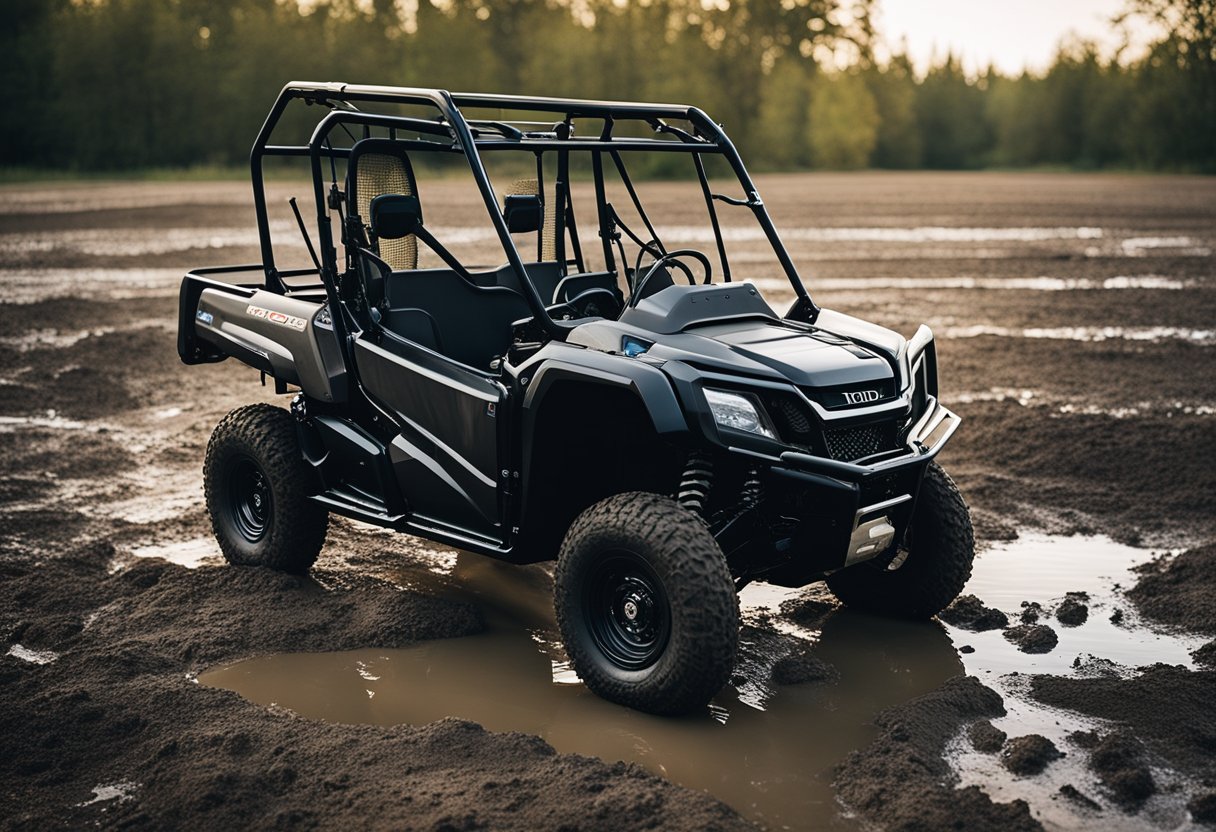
[1012,34]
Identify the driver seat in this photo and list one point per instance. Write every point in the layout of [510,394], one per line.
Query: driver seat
[377,167]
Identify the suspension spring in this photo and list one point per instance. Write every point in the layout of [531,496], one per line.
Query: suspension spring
[752,492]
[694,487]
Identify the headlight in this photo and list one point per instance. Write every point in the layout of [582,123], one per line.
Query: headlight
[739,411]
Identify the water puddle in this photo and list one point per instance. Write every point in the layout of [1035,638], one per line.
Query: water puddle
[31,656]
[128,242]
[61,339]
[1042,283]
[1076,407]
[766,750]
[121,792]
[886,234]
[1042,569]
[1153,334]
[25,286]
[772,764]
[51,421]
[188,553]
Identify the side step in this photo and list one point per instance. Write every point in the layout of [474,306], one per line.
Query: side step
[358,507]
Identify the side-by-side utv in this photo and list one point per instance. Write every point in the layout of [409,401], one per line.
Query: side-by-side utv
[612,396]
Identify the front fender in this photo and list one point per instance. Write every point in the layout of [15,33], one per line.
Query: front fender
[567,364]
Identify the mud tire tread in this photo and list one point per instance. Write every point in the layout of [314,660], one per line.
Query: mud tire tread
[296,532]
[700,654]
[938,565]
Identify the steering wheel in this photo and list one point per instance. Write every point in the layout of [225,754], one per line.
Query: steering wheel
[595,302]
[673,258]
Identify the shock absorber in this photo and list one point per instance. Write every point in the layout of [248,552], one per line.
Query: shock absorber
[694,487]
[752,492]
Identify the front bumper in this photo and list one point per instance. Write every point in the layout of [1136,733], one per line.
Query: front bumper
[846,512]
[925,439]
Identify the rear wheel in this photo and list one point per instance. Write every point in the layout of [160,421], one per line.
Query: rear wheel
[256,486]
[646,605]
[930,567]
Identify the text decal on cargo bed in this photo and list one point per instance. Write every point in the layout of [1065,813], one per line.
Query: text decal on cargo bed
[276,317]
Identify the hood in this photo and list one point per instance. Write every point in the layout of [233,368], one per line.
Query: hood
[807,358]
[755,347]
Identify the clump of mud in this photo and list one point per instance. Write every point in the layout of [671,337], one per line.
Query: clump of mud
[1090,665]
[1206,654]
[808,611]
[1033,638]
[1181,590]
[969,613]
[1119,762]
[801,666]
[985,737]
[902,781]
[1203,808]
[1073,610]
[1032,611]
[1078,797]
[766,655]
[1029,755]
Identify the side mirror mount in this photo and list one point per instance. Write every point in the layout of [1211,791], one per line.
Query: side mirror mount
[395,216]
[523,213]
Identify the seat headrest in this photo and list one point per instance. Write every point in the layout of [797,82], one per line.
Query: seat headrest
[378,167]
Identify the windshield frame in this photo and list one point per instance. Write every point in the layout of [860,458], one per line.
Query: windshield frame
[469,137]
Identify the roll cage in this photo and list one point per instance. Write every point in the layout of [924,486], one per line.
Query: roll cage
[455,134]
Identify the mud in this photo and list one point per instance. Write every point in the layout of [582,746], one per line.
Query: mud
[985,737]
[1203,808]
[1074,319]
[750,748]
[1168,707]
[1180,590]
[902,782]
[1206,655]
[969,613]
[1029,755]
[120,704]
[1119,760]
[1033,638]
[1073,611]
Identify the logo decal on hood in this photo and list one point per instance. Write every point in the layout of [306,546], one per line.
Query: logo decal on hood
[860,396]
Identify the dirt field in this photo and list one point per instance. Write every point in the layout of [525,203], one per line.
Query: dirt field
[1076,326]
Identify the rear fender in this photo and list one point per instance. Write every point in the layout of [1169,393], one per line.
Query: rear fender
[288,338]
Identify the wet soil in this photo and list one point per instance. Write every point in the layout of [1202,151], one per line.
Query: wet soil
[1029,755]
[1168,707]
[1033,638]
[1180,590]
[1074,320]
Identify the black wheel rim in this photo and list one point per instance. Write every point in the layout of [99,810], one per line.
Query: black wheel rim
[627,611]
[249,499]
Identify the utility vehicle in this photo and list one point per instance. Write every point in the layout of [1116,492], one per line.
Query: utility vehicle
[613,397]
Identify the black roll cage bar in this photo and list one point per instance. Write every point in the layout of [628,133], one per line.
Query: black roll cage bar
[467,140]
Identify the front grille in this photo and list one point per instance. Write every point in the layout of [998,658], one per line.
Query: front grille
[848,444]
[791,418]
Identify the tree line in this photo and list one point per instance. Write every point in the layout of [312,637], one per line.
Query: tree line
[110,85]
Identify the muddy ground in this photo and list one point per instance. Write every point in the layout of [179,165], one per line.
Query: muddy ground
[1076,323]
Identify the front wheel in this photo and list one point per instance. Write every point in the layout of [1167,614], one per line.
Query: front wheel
[256,486]
[930,567]
[646,604]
